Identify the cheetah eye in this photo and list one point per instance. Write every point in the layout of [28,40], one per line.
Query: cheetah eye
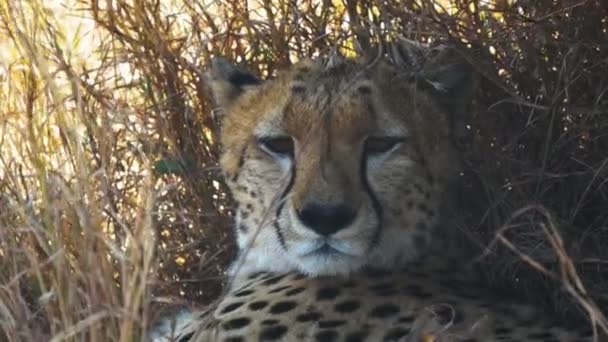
[277,145]
[375,145]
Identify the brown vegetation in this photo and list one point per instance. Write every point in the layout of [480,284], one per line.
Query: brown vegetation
[110,198]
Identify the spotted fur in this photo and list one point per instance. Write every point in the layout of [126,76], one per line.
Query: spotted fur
[420,303]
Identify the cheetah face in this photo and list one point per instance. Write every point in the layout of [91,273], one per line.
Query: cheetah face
[334,166]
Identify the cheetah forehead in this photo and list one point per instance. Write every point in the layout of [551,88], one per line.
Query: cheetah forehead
[353,97]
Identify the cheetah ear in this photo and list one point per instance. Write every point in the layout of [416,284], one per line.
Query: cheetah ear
[408,54]
[228,81]
[443,69]
[444,72]
[449,74]
[451,80]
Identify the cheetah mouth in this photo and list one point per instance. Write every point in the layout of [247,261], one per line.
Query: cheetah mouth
[327,249]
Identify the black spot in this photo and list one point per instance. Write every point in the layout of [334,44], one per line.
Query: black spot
[234,339]
[326,336]
[231,307]
[243,293]
[587,332]
[468,294]
[364,90]
[295,291]
[420,240]
[502,330]
[370,107]
[253,194]
[186,338]
[541,335]
[303,70]
[308,317]
[242,227]
[384,289]
[298,89]
[422,226]
[417,291]
[347,306]
[331,324]
[381,286]
[387,292]
[239,79]
[273,332]
[376,273]
[259,305]
[450,283]
[328,293]
[385,310]
[273,280]
[358,336]
[235,176]
[414,273]
[395,334]
[236,323]
[349,284]
[279,289]
[406,319]
[270,321]
[397,211]
[282,307]
[256,275]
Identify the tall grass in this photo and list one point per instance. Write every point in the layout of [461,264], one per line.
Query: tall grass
[77,254]
[86,192]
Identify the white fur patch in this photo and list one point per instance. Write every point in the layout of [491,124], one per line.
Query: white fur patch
[172,328]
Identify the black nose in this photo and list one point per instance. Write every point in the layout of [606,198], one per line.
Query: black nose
[326,219]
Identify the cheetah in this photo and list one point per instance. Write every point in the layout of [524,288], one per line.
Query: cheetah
[339,167]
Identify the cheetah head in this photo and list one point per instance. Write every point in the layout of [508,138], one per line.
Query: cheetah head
[337,164]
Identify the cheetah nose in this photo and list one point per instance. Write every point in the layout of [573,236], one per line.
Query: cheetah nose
[326,219]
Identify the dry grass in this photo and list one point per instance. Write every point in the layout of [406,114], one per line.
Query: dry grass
[111,202]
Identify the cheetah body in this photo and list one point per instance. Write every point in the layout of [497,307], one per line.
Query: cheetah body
[339,168]
[371,306]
